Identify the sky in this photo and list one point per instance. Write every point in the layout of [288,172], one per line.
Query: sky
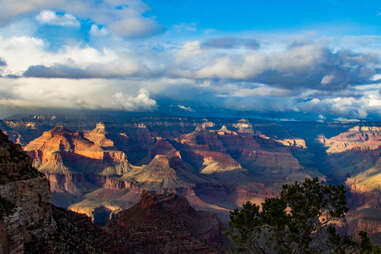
[301,59]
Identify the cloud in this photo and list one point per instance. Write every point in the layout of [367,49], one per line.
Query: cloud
[10,9]
[231,43]
[136,27]
[73,94]
[3,63]
[130,21]
[140,102]
[34,52]
[56,71]
[215,75]
[342,119]
[105,71]
[298,67]
[48,17]
[189,49]
[98,31]
[189,109]
[123,18]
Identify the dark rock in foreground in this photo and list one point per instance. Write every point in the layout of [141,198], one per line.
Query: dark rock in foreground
[165,223]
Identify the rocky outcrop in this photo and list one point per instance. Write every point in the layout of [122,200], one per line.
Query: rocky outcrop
[244,126]
[75,162]
[59,143]
[365,219]
[28,221]
[25,195]
[165,223]
[163,172]
[98,136]
[75,233]
[293,142]
[359,138]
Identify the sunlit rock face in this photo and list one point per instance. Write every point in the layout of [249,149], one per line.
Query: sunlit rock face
[293,142]
[89,172]
[359,138]
[69,159]
[29,223]
[244,126]
[98,136]
[99,169]
[91,145]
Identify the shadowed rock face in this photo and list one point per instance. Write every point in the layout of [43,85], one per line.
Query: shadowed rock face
[14,163]
[216,165]
[28,221]
[158,224]
[165,223]
[89,169]
[26,194]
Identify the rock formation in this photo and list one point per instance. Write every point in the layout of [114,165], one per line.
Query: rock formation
[359,138]
[28,221]
[165,223]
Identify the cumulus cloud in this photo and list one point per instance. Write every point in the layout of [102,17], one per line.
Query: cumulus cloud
[91,71]
[124,18]
[73,94]
[189,49]
[222,73]
[56,71]
[98,31]
[49,17]
[302,66]
[231,43]
[10,9]
[141,101]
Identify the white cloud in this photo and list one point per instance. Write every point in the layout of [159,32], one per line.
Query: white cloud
[126,21]
[190,109]
[10,8]
[343,119]
[93,62]
[49,17]
[189,49]
[73,94]
[327,79]
[98,31]
[141,101]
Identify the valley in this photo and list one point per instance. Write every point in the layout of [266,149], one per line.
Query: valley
[100,168]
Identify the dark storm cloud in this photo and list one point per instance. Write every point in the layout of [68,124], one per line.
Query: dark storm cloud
[99,71]
[56,71]
[298,67]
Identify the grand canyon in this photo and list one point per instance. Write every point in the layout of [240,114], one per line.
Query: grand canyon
[103,169]
[170,127]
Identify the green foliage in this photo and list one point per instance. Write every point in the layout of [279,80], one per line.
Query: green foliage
[303,219]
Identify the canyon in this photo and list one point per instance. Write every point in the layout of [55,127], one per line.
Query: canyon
[29,223]
[100,168]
